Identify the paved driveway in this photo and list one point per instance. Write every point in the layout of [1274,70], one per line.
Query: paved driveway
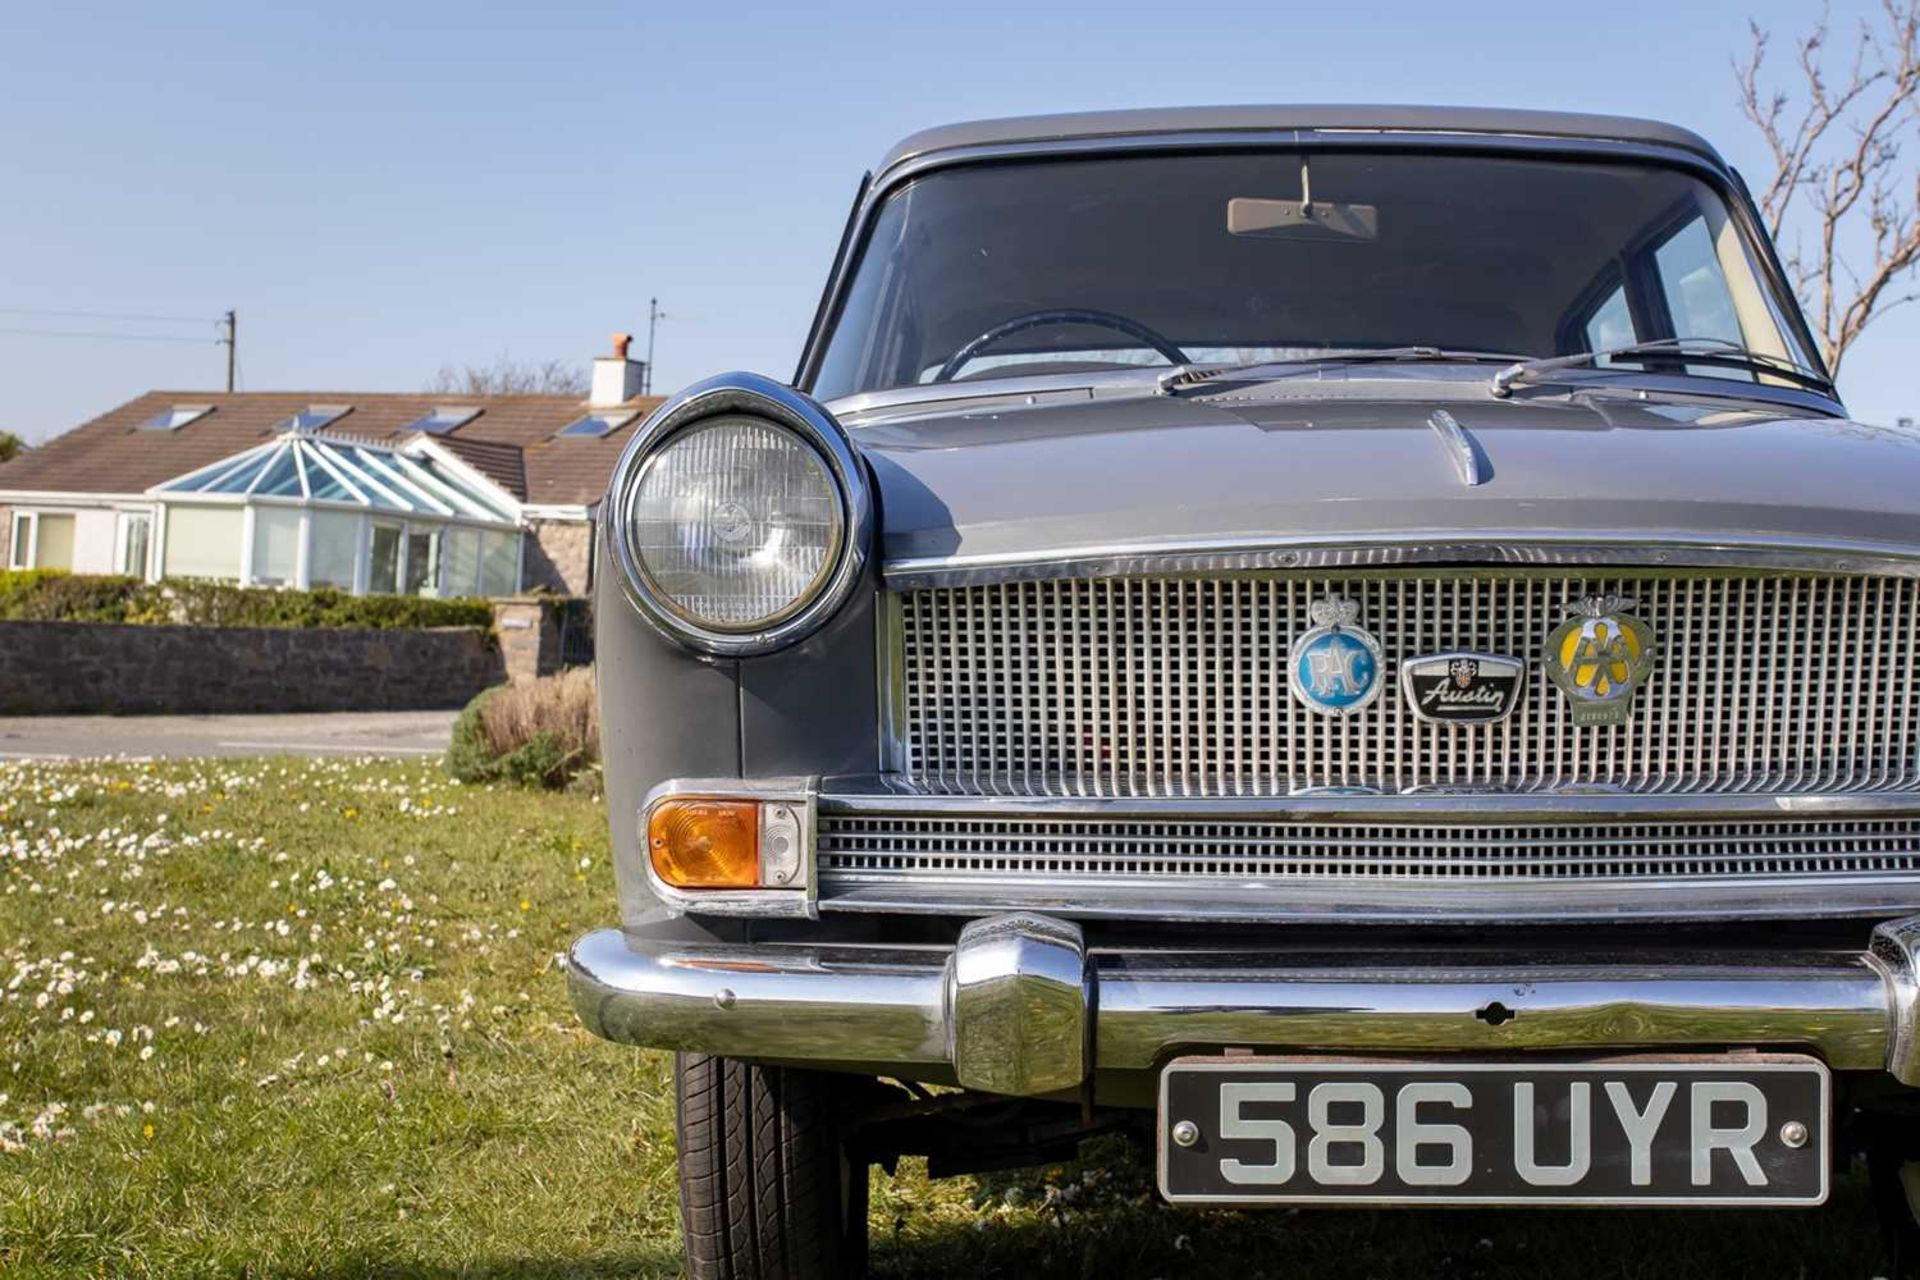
[383,733]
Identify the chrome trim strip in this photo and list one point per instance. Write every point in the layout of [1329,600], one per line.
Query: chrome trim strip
[891,794]
[753,395]
[1223,900]
[889,648]
[1387,550]
[889,1009]
[765,904]
[1459,446]
[864,409]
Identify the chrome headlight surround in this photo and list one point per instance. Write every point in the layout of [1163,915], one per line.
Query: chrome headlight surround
[748,395]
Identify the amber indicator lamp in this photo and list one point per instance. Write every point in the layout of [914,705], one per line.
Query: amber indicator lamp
[705,844]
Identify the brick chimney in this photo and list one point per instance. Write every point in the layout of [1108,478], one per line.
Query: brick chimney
[616,378]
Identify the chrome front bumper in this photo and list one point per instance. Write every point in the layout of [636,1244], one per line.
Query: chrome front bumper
[1020,1005]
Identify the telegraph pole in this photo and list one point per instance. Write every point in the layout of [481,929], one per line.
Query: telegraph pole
[231,322]
[654,316]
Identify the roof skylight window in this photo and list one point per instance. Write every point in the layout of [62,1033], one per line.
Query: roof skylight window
[596,425]
[444,418]
[176,417]
[311,418]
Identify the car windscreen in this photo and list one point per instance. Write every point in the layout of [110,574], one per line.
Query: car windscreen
[1061,265]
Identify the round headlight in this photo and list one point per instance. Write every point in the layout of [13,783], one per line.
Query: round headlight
[735,522]
[742,515]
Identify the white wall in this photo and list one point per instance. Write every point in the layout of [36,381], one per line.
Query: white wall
[93,533]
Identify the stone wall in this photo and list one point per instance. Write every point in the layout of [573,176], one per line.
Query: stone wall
[528,636]
[56,668]
[559,557]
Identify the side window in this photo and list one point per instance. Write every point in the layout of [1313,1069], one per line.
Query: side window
[1611,324]
[1695,290]
[136,536]
[20,543]
[383,570]
[53,542]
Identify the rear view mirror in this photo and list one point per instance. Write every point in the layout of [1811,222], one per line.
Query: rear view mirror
[1301,219]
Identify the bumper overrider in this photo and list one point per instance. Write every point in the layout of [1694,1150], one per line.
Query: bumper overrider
[1020,1005]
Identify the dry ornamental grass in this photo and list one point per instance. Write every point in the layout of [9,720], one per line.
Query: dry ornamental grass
[563,705]
[545,732]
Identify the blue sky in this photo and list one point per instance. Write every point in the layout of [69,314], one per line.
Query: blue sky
[380,189]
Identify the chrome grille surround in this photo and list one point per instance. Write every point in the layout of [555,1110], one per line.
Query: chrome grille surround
[1768,681]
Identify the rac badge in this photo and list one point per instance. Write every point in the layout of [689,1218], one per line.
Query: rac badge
[1335,668]
[1599,657]
[1463,688]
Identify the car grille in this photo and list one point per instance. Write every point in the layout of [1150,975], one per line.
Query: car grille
[973,849]
[1765,682]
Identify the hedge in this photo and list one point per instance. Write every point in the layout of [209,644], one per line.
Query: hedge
[48,595]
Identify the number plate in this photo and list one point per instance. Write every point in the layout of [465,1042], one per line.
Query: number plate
[1703,1131]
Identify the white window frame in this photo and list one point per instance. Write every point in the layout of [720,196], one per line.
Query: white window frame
[363,556]
[34,515]
[123,518]
[31,517]
[435,533]
[303,528]
[30,521]
[374,525]
[165,517]
[362,550]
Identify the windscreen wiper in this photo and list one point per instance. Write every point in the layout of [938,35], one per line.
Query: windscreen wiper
[1183,376]
[1717,352]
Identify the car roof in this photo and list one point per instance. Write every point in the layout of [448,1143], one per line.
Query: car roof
[1416,119]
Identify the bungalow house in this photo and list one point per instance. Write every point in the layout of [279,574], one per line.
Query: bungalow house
[419,494]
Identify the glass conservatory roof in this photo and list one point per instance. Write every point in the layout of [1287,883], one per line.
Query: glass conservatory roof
[301,466]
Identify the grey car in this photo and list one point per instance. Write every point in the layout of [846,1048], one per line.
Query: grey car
[1355,645]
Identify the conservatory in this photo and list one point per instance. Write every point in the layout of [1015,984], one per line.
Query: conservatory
[305,510]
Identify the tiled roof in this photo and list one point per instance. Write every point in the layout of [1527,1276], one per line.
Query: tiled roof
[498,461]
[113,454]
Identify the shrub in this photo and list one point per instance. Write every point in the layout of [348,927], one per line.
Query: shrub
[45,595]
[49,595]
[222,604]
[469,758]
[544,733]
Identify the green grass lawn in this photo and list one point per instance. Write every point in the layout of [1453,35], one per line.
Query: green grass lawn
[307,1018]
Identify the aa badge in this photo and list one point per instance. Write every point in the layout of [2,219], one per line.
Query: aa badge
[1599,657]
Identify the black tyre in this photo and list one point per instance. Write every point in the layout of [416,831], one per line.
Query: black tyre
[1894,1183]
[767,1191]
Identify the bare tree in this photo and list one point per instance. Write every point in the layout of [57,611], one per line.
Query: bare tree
[1842,192]
[509,377]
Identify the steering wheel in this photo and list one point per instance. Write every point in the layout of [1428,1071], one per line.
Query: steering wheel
[1037,319]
